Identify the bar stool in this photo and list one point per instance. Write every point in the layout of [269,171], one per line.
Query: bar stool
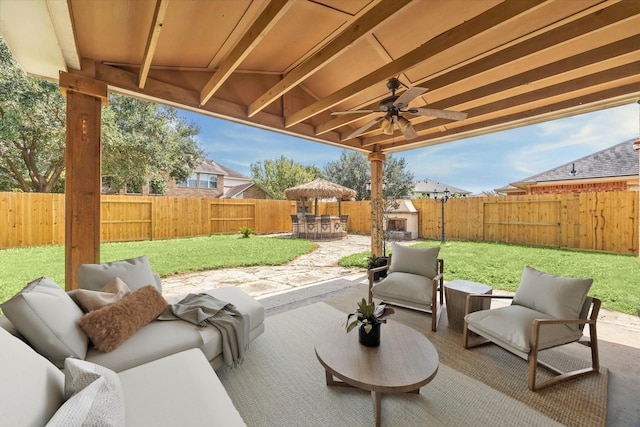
[295,225]
[325,225]
[310,226]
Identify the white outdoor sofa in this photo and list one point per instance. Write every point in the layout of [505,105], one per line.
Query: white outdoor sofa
[166,368]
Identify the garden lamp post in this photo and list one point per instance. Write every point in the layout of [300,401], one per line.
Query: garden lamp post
[443,200]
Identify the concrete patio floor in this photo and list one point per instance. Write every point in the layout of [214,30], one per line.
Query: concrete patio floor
[312,276]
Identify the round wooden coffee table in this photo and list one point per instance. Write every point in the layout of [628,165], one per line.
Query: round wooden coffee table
[405,360]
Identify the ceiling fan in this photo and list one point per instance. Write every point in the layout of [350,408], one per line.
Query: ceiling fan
[394,105]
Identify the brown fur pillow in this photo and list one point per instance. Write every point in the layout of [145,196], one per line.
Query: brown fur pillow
[110,326]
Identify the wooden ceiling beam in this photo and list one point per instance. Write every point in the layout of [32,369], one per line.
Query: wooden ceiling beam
[152,40]
[358,29]
[510,56]
[169,94]
[577,105]
[274,11]
[599,55]
[619,73]
[486,21]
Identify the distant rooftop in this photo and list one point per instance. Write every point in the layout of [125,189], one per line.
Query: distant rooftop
[435,187]
[616,161]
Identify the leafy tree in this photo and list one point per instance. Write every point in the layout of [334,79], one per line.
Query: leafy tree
[398,180]
[143,141]
[140,140]
[32,129]
[279,174]
[353,170]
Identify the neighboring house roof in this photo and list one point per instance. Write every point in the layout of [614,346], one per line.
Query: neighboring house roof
[209,166]
[239,189]
[230,172]
[213,167]
[430,186]
[620,160]
[234,191]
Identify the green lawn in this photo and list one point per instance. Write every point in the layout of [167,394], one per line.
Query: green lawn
[21,265]
[616,277]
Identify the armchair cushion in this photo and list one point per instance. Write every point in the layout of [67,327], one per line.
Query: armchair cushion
[405,287]
[558,297]
[420,261]
[510,327]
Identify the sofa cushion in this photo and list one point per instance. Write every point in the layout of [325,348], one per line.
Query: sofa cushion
[184,390]
[94,397]
[110,326]
[559,297]
[421,261]
[511,327]
[31,387]
[162,338]
[113,291]
[153,341]
[135,272]
[49,320]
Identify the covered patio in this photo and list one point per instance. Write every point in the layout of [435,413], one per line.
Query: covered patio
[287,65]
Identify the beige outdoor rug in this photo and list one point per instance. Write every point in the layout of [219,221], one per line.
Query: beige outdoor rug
[579,402]
[281,383]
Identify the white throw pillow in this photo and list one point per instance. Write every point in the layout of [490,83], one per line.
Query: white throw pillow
[135,272]
[111,292]
[49,320]
[421,261]
[559,297]
[94,397]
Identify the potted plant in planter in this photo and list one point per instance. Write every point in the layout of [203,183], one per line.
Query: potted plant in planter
[369,318]
[374,261]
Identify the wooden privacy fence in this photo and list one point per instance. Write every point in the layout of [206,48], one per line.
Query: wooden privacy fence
[606,221]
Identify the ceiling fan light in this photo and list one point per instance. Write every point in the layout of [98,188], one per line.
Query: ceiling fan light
[403,123]
[386,126]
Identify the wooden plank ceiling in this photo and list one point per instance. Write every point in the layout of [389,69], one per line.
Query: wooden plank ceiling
[286,65]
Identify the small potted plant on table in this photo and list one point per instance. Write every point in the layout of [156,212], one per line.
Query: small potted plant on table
[369,317]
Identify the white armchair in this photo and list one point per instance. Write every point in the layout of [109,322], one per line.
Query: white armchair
[414,280]
[547,311]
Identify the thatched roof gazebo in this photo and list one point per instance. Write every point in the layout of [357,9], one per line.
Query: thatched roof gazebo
[320,188]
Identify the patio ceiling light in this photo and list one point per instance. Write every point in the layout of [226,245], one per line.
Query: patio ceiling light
[387,126]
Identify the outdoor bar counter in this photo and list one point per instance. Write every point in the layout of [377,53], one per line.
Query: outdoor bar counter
[319,227]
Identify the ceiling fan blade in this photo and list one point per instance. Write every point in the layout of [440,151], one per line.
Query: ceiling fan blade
[338,113]
[408,96]
[442,114]
[409,132]
[363,128]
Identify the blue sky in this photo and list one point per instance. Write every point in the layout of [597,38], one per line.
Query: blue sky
[476,164]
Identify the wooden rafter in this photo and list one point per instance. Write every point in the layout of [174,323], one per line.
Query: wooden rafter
[354,32]
[152,40]
[481,23]
[274,11]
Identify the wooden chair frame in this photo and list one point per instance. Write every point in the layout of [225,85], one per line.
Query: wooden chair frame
[437,289]
[536,332]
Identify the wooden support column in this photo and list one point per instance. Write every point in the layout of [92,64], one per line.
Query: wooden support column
[82,180]
[636,146]
[377,208]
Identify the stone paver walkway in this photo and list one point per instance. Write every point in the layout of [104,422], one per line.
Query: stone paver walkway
[317,266]
[322,265]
